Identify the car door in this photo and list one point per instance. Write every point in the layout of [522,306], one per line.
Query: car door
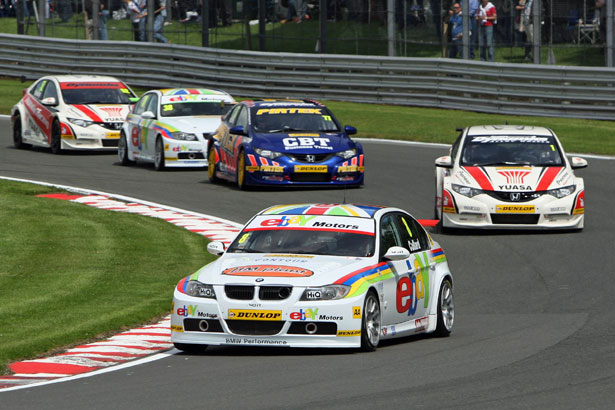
[228,141]
[40,117]
[148,133]
[408,294]
[134,121]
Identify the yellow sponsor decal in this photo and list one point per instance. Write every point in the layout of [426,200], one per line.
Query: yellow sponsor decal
[350,168]
[356,312]
[514,209]
[273,255]
[349,332]
[578,211]
[252,168]
[288,111]
[448,209]
[68,137]
[112,135]
[238,314]
[271,168]
[310,168]
[304,135]
[176,328]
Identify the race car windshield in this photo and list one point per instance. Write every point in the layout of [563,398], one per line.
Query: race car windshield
[84,95]
[285,119]
[511,150]
[186,109]
[313,242]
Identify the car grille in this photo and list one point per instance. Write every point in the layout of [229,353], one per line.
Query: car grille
[115,126]
[246,292]
[322,328]
[190,155]
[310,177]
[317,157]
[515,219]
[506,196]
[255,327]
[192,325]
[110,143]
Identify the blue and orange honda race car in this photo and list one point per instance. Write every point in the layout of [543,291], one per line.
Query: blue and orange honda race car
[284,142]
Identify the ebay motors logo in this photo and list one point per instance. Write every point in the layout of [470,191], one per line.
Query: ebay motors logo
[299,220]
[189,310]
[304,314]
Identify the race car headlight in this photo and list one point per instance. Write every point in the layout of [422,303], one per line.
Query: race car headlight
[267,153]
[562,192]
[329,292]
[80,122]
[466,190]
[349,153]
[200,290]
[185,136]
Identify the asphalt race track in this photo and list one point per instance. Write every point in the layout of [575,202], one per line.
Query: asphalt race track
[535,312]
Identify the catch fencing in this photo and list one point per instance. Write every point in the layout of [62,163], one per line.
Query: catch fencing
[512,89]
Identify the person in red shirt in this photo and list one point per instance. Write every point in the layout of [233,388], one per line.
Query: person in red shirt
[486,17]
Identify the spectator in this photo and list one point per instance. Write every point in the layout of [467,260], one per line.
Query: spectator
[297,11]
[601,10]
[103,15]
[160,14]
[486,17]
[455,24]
[226,12]
[528,29]
[518,25]
[134,12]
[142,19]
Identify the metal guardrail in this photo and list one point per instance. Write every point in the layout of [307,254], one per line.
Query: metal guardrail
[512,89]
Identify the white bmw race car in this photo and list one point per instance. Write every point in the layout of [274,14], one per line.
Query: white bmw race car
[172,127]
[73,112]
[317,276]
[509,177]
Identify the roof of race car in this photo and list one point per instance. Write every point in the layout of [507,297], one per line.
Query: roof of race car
[362,211]
[83,78]
[281,103]
[194,91]
[508,130]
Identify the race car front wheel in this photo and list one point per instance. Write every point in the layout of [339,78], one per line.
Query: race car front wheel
[211,165]
[370,326]
[56,138]
[190,348]
[122,150]
[159,155]
[17,136]
[446,309]
[241,171]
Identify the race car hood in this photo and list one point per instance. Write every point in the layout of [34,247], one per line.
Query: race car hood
[98,112]
[303,142]
[297,270]
[194,125]
[516,178]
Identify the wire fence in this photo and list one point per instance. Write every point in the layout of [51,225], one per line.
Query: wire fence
[572,32]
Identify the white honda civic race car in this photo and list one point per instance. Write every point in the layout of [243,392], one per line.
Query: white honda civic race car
[317,276]
[172,127]
[509,177]
[72,112]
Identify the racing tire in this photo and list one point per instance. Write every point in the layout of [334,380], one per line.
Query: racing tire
[56,138]
[211,165]
[159,163]
[446,309]
[122,150]
[190,348]
[241,171]
[17,135]
[370,322]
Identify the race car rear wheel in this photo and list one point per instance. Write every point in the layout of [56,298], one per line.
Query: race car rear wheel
[17,135]
[370,323]
[122,150]
[241,171]
[211,165]
[159,155]
[56,138]
[446,309]
[190,348]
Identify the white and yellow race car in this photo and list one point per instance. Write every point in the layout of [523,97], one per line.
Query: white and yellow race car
[317,275]
[72,112]
[509,177]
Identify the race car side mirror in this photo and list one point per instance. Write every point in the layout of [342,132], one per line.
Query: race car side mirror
[148,115]
[444,162]
[397,253]
[238,130]
[215,248]
[350,130]
[578,162]
[49,101]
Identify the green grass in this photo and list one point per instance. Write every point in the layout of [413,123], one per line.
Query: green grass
[71,273]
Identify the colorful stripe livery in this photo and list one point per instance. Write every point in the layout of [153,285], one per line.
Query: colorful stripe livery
[323,209]
[165,129]
[71,85]
[547,177]
[193,91]
[481,177]
[88,111]
[360,280]
[438,255]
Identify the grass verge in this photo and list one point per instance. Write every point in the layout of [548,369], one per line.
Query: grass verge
[71,273]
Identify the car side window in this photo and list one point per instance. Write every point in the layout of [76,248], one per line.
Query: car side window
[455,147]
[152,104]
[242,118]
[50,91]
[413,234]
[142,104]
[389,234]
[232,116]
[38,89]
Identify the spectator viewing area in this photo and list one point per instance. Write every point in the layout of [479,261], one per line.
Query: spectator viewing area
[563,32]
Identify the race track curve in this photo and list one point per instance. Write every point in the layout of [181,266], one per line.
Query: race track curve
[535,311]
